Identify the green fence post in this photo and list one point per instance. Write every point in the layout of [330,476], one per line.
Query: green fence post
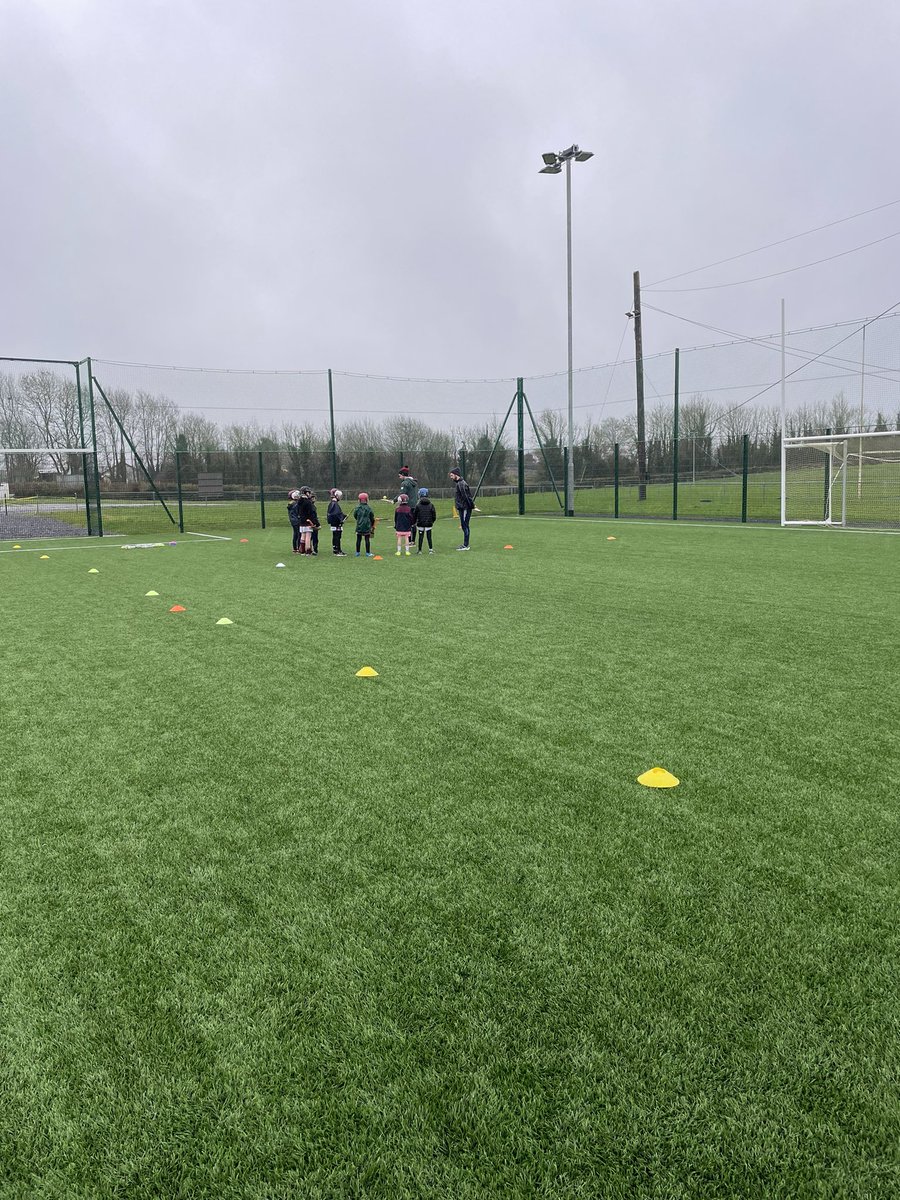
[84,458]
[462,461]
[262,494]
[675,442]
[520,415]
[745,471]
[569,506]
[90,385]
[178,486]
[825,504]
[331,419]
[616,480]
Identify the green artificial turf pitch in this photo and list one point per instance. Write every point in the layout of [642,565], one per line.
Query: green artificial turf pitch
[269,930]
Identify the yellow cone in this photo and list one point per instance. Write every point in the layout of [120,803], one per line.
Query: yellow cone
[45,556]
[17,546]
[224,621]
[658,777]
[610,539]
[151,593]
[93,571]
[367,673]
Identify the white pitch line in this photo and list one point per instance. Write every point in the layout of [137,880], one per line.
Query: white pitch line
[97,545]
[215,536]
[700,523]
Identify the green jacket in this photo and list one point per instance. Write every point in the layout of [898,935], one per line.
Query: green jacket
[365,518]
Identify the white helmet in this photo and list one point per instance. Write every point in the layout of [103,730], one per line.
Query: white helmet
[337,493]
[295,495]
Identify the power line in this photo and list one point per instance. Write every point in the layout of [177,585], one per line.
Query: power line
[713,287]
[802,366]
[768,343]
[771,245]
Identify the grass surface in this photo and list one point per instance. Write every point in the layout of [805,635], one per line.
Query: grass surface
[268,930]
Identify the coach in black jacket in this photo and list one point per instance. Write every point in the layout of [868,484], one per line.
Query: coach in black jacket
[465,502]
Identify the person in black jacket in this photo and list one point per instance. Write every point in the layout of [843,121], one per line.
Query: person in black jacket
[424,517]
[336,519]
[309,519]
[294,518]
[465,503]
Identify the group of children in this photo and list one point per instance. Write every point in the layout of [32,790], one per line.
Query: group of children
[407,520]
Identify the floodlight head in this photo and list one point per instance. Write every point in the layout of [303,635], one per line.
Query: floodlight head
[570,153]
[554,170]
[549,158]
[584,155]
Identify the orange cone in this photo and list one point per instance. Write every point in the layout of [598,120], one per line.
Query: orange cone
[507,547]
[177,608]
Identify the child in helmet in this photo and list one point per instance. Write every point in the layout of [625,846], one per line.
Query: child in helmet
[365,523]
[294,518]
[424,517]
[336,519]
[309,520]
[403,523]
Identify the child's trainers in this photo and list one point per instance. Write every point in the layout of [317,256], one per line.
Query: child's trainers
[357,554]
[407,552]
[431,551]
[370,554]
[397,555]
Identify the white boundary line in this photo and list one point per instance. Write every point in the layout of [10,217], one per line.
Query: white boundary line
[700,523]
[99,544]
[216,537]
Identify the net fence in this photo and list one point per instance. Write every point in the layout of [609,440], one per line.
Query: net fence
[224,444]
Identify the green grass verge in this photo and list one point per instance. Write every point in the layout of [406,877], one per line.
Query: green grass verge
[269,930]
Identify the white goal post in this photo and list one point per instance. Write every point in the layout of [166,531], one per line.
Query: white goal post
[841,479]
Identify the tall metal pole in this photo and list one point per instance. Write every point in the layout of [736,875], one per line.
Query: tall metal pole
[862,417]
[520,442]
[783,426]
[96,460]
[675,441]
[639,381]
[570,467]
[331,421]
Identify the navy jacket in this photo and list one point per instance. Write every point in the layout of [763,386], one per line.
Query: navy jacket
[336,515]
[403,518]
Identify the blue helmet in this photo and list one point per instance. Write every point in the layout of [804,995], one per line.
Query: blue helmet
[422,493]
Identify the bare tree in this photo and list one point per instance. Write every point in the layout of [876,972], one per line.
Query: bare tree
[155,424]
[51,402]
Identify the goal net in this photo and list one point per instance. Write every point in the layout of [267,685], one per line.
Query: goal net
[846,480]
[46,491]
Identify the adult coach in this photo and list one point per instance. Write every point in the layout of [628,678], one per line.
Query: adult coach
[465,502]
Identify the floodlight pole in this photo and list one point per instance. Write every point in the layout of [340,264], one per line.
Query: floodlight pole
[570,472]
[553,165]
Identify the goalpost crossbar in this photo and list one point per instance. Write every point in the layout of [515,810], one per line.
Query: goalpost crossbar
[46,450]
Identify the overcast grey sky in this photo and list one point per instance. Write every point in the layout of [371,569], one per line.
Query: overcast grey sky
[355,184]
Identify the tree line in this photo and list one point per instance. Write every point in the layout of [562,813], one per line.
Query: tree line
[40,408]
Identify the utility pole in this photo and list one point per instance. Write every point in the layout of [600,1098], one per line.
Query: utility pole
[639,380]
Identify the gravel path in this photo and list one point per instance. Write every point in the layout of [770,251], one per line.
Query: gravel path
[17,526]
